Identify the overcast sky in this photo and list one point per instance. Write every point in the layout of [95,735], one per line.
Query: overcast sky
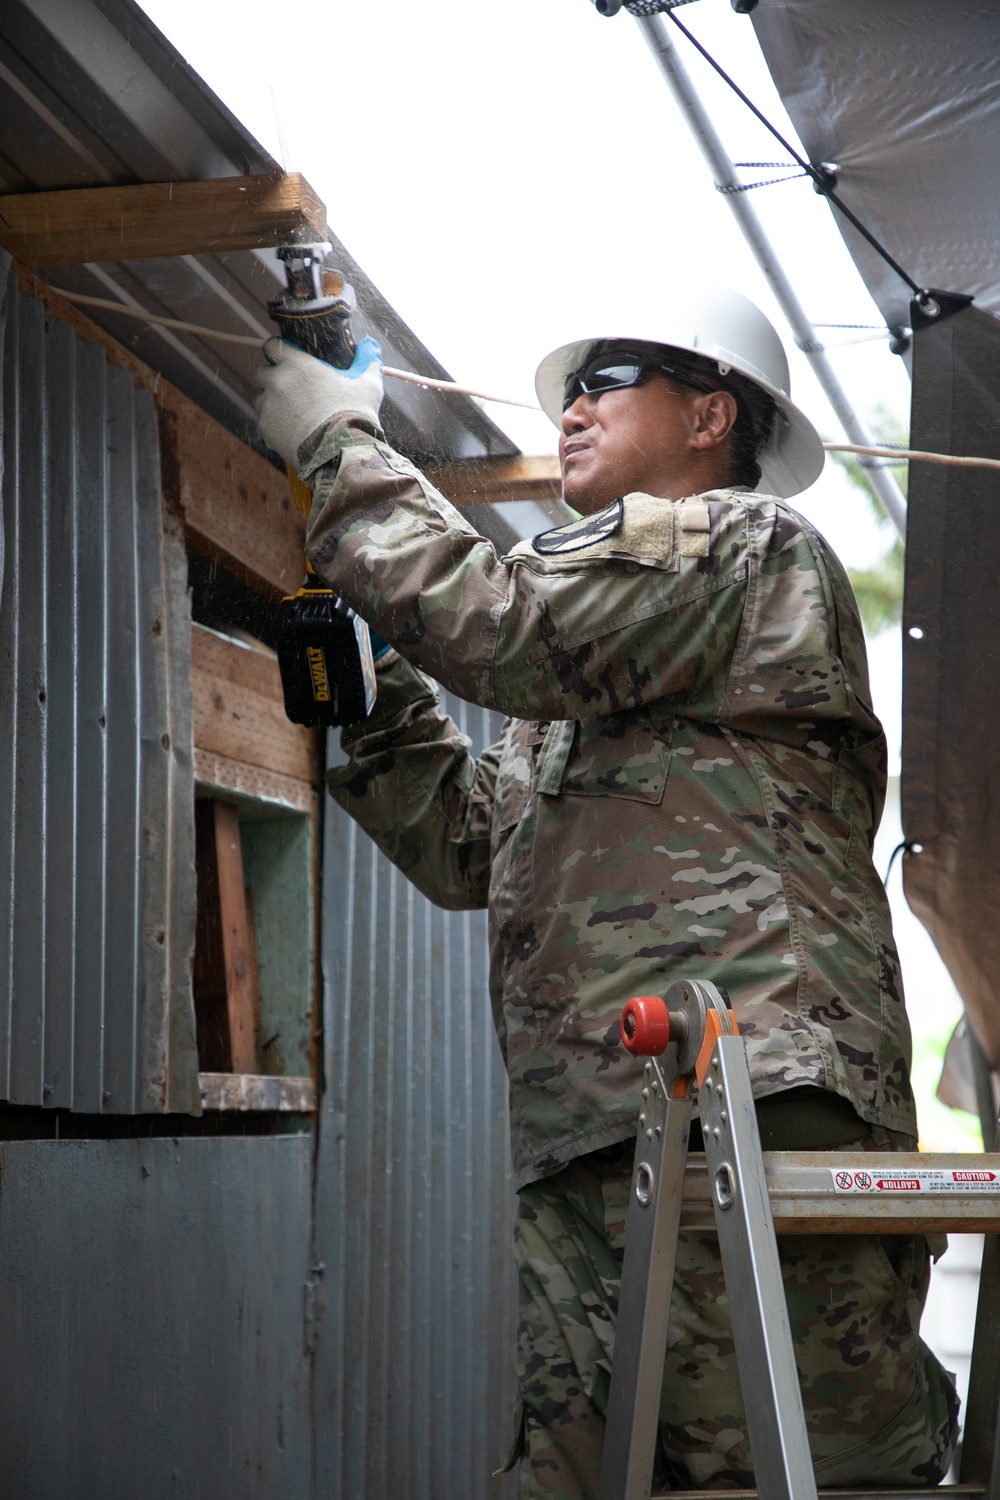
[516,175]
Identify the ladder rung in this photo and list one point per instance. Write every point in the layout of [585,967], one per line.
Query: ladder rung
[910,1193]
[945,1490]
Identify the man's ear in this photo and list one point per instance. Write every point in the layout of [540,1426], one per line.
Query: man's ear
[715,418]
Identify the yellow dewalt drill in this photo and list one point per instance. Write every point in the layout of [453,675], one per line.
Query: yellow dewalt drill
[324,650]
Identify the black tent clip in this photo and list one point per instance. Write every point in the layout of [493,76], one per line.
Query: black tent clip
[933,306]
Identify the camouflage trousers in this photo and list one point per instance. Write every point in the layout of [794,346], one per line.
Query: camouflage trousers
[879,1407]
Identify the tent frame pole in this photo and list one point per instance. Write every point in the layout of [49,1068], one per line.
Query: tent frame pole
[655,32]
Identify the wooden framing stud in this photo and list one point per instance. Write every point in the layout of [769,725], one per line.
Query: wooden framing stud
[225,978]
[160,219]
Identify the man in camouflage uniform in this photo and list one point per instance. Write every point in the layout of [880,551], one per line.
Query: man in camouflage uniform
[688,783]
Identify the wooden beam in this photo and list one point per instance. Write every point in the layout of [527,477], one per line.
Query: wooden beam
[224,972]
[239,711]
[239,779]
[481,481]
[160,219]
[237,507]
[253,1091]
[240,971]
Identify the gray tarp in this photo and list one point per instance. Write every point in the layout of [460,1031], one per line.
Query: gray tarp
[905,98]
[951,673]
[904,95]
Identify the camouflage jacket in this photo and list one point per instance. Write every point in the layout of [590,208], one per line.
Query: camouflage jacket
[688,782]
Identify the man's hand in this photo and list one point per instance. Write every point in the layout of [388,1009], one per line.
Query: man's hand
[299,393]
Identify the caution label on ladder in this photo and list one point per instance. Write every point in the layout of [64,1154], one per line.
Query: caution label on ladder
[934,1180]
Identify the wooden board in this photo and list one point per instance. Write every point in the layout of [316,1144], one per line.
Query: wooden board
[246,1091]
[235,505]
[160,219]
[224,971]
[242,780]
[236,945]
[238,709]
[480,481]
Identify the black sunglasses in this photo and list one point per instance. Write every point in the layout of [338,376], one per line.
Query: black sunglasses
[618,369]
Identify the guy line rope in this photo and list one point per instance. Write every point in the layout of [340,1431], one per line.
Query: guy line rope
[429,382]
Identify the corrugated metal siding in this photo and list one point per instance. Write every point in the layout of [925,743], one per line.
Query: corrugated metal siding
[151,1319]
[414,1377]
[96,791]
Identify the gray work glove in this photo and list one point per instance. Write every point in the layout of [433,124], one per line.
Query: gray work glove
[298,393]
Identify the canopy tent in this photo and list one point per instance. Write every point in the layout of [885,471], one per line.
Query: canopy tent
[904,99]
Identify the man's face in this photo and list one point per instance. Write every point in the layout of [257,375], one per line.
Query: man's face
[654,437]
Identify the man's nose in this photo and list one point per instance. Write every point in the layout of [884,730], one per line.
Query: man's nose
[579,414]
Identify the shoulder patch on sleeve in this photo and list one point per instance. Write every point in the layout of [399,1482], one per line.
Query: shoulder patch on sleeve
[576,536]
[635,528]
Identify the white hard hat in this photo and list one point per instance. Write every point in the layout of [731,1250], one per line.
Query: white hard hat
[722,325]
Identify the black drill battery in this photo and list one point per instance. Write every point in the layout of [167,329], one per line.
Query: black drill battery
[325,660]
[315,309]
[324,653]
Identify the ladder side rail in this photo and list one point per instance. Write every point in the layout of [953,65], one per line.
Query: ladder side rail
[646,1289]
[980,1461]
[772,1395]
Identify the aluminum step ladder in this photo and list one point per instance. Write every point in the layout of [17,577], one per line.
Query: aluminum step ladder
[691,1041]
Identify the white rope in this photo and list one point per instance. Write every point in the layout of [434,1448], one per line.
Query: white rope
[429,382]
[917,455]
